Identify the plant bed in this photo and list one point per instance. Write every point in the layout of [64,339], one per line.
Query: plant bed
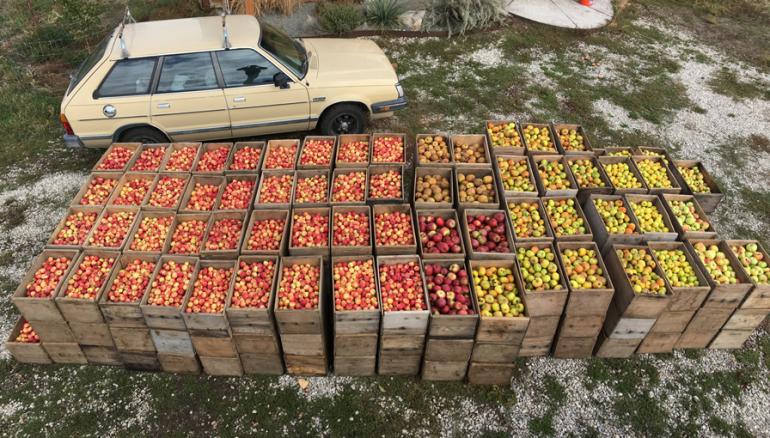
[566,219]
[656,174]
[638,295]
[612,221]
[687,283]
[310,232]
[187,234]
[203,307]
[475,188]
[34,297]
[439,233]
[281,154]
[317,152]
[97,189]
[125,289]
[433,150]
[728,281]
[149,158]
[213,159]
[312,188]
[504,137]
[695,180]
[470,151]
[486,234]
[349,186]
[267,233]
[351,230]
[527,220]
[572,139]
[166,194]
[238,193]
[202,194]
[394,231]
[388,148]
[78,298]
[162,304]
[353,150]
[74,227]
[275,190]
[515,176]
[224,235]
[652,217]
[182,157]
[133,189]
[688,217]
[24,344]
[385,184]
[553,176]
[754,261]
[246,158]
[112,228]
[117,157]
[538,139]
[623,175]
[433,188]
[151,233]
[589,176]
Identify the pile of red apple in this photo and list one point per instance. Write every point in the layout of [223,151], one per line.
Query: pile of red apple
[266,235]
[170,285]
[224,234]
[449,289]
[401,287]
[187,237]
[439,235]
[317,152]
[116,159]
[312,190]
[130,282]
[310,230]
[385,185]
[151,233]
[237,195]
[354,152]
[47,277]
[487,233]
[112,228]
[253,284]
[181,160]
[75,228]
[210,290]
[388,149]
[89,277]
[276,189]
[149,159]
[354,287]
[299,287]
[133,191]
[202,197]
[213,160]
[280,156]
[246,158]
[27,334]
[393,229]
[350,229]
[349,187]
[99,189]
[167,192]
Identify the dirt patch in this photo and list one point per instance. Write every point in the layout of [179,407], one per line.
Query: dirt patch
[760,143]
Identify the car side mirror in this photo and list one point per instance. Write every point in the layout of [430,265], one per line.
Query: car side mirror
[281,80]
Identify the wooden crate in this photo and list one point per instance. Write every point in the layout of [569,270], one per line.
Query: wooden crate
[605,160]
[480,373]
[704,327]
[556,127]
[710,233]
[300,344]
[356,332]
[607,347]
[311,251]
[219,181]
[479,255]
[238,177]
[348,171]
[132,234]
[412,322]
[109,210]
[486,352]
[139,361]
[673,321]
[72,210]
[446,215]
[514,200]
[658,342]
[213,324]
[602,235]
[173,208]
[253,321]
[683,298]
[728,296]
[144,147]
[96,334]
[258,215]
[338,250]
[708,201]
[240,145]
[501,190]
[383,250]
[630,304]
[297,365]
[132,339]
[328,166]
[301,175]
[391,363]
[264,345]
[262,364]
[65,352]
[176,147]
[585,302]
[375,170]
[574,348]
[534,347]
[43,309]
[207,147]
[730,339]
[610,150]
[25,352]
[545,191]
[54,331]
[746,319]
[378,135]
[359,366]
[214,346]
[619,326]
[585,237]
[470,139]
[133,147]
[759,297]
[203,217]
[76,201]
[174,342]
[433,165]
[546,126]
[258,204]
[179,363]
[78,309]
[675,187]
[448,350]
[126,178]
[508,150]
[226,254]
[580,326]
[585,192]
[452,326]
[124,314]
[546,302]
[272,144]
[301,321]
[444,371]
[165,317]
[344,139]
[445,172]
[648,236]
[477,172]
[101,355]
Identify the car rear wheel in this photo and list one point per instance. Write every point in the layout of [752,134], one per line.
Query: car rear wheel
[143,134]
[344,118]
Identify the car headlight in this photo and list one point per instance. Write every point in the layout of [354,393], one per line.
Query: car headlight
[400,90]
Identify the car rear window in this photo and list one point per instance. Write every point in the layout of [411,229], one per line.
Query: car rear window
[89,63]
[128,77]
[189,72]
[245,67]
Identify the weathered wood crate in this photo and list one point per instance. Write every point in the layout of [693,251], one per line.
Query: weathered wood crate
[572,191]
[328,166]
[553,221]
[260,204]
[605,160]
[43,309]
[79,201]
[704,327]
[738,328]
[94,334]
[147,147]
[180,218]
[424,163]
[109,210]
[132,339]
[185,177]
[728,296]
[470,139]
[302,175]
[203,325]
[77,310]
[129,248]
[333,200]
[759,297]
[653,236]
[259,215]
[583,191]
[675,187]
[165,317]
[556,127]
[25,352]
[65,352]
[149,177]
[172,342]
[447,214]
[512,201]
[179,363]
[542,126]
[222,366]
[709,233]
[444,172]
[240,145]
[602,235]
[281,143]
[230,253]
[479,255]
[324,251]
[504,149]
[574,348]
[628,303]
[213,180]
[477,172]
[658,342]
[339,250]
[139,361]
[54,331]
[72,210]
[730,339]
[480,373]
[402,333]
[133,147]
[501,190]
[100,355]
[124,314]
[178,146]
[376,170]
[208,147]
[402,137]
[254,178]
[709,200]
[621,335]
[344,139]
[381,250]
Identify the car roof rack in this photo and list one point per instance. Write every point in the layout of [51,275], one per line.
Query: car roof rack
[127,18]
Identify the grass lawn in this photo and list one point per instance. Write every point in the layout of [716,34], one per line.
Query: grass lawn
[691,78]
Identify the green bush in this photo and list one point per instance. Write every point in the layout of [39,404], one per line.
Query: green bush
[384,14]
[460,16]
[339,17]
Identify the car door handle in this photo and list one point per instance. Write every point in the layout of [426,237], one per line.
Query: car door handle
[164,105]
[239,99]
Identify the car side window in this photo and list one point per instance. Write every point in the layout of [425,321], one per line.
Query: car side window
[245,67]
[189,72]
[127,78]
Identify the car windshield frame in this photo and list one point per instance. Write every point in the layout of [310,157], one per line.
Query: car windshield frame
[283,54]
[89,63]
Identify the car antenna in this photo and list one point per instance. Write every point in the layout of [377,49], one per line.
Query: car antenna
[127,18]
[225,13]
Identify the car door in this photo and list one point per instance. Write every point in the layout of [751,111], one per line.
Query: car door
[257,106]
[188,103]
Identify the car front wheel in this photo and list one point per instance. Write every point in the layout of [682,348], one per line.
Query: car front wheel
[343,119]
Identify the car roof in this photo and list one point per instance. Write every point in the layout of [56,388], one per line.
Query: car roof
[186,35]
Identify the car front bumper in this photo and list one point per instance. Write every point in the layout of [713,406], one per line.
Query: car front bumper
[389,105]
[73,141]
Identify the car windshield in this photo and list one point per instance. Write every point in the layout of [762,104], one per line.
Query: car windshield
[89,63]
[289,52]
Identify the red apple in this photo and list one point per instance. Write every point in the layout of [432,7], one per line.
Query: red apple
[401,286]
[281,157]
[317,152]
[349,187]
[151,233]
[253,284]
[299,288]
[310,230]
[187,237]
[246,158]
[99,189]
[149,159]
[130,282]
[276,189]
[312,189]
[266,235]
[439,235]
[388,149]
[116,159]
[213,160]
[351,229]
[354,287]
[210,290]
[385,185]
[112,229]
[487,233]
[47,277]
[133,191]
[237,195]
[202,197]
[224,234]
[89,277]
[170,285]
[449,289]
[181,160]
[354,152]
[75,229]
[394,228]
[27,334]
[167,192]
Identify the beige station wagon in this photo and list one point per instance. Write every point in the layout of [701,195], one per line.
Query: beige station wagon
[224,77]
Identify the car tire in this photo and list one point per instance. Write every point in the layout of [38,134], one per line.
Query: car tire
[344,118]
[143,134]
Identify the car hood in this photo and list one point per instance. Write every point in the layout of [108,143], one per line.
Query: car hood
[349,62]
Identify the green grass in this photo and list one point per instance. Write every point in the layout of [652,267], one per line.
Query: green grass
[726,82]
